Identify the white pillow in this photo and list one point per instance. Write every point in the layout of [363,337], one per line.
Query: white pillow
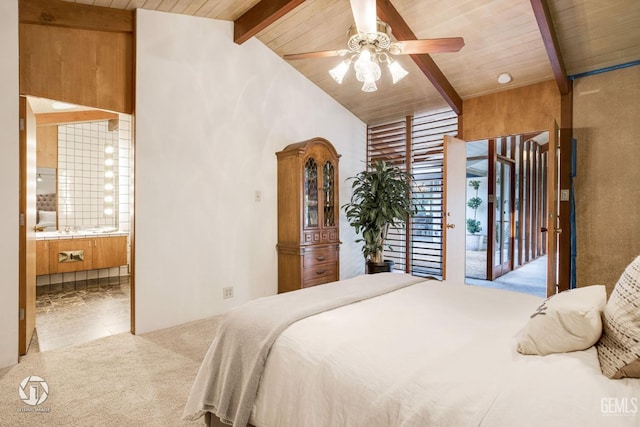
[568,321]
[46,218]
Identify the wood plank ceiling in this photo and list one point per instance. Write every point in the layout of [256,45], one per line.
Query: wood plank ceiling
[500,36]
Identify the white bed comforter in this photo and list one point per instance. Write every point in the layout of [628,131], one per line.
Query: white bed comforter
[433,354]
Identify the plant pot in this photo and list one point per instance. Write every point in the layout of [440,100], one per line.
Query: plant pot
[474,242]
[385,267]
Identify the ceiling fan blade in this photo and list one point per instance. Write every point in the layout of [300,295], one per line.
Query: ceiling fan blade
[318,54]
[364,13]
[408,47]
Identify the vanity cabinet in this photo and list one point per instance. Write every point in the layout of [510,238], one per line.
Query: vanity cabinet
[109,252]
[68,255]
[308,214]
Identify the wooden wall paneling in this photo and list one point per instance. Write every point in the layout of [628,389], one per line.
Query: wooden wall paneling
[491,207]
[520,199]
[527,248]
[535,206]
[47,146]
[520,110]
[84,67]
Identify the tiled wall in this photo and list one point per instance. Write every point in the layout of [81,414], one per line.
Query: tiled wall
[87,175]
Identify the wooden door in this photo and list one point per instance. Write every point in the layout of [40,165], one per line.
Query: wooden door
[454,222]
[27,235]
[552,209]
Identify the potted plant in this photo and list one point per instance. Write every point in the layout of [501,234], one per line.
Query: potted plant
[381,199]
[473,224]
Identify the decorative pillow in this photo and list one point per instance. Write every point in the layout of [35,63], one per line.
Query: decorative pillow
[46,218]
[568,321]
[619,347]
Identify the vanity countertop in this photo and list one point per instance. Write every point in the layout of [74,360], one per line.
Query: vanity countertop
[80,234]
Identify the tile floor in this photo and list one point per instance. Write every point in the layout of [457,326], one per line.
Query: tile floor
[531,279]
[78,312]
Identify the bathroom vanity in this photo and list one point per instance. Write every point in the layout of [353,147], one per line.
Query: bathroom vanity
[59,252]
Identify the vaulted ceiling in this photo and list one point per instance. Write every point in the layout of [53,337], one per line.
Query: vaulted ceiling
[500,36]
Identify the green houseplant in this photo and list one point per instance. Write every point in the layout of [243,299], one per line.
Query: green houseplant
[473,224]
[381,199]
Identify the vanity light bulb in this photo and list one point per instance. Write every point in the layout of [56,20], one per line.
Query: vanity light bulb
[108,162]
[108,211]
[108,187]
[108,174]
[108,149]
[108,199]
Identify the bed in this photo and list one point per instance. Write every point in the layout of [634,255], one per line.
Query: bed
[404,352]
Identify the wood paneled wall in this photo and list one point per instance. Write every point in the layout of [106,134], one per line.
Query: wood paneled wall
[77,55]
[516,111]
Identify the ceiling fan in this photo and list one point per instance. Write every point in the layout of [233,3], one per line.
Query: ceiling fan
[370,44]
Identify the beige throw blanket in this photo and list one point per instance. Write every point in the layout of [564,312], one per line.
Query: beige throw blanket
[228,379]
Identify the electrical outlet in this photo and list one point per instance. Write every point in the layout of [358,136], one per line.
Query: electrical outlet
[227,292]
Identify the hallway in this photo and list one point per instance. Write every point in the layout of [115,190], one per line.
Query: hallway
[530,279]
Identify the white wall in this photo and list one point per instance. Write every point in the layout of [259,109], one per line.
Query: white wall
[9,190]
[210,116]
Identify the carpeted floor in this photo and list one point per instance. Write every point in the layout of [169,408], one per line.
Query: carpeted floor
[119,380]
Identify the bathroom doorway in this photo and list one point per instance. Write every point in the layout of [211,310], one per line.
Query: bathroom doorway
[83,228]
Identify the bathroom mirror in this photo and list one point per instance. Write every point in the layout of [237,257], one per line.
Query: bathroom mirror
[86,191]
[46,199]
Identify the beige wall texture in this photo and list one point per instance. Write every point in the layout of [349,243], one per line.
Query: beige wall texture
[520,110]
[606,120]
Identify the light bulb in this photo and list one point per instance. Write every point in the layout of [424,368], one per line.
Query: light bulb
[108,174]
[108,199]
[108,187]
[108,211]
[109,162]
[108,149]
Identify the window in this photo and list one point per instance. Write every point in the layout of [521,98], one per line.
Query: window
[416,144]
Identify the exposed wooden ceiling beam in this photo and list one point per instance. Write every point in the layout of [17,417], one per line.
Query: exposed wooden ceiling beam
[541,11]
[43,119]
[388,13]
[75,15]
[260,16]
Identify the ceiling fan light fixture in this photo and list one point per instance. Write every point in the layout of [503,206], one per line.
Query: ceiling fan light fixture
[397,72]
[339,71]
[366,66]
[369,86]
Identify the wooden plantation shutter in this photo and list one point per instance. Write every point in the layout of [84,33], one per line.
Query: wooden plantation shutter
[416,144]
[388,142]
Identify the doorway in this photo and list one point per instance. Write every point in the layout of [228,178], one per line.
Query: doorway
[506,211]
[83,227]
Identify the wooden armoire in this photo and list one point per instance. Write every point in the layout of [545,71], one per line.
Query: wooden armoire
[308,214]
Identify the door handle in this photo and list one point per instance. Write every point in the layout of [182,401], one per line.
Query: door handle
[558,230]
[543,229]
[451,226]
